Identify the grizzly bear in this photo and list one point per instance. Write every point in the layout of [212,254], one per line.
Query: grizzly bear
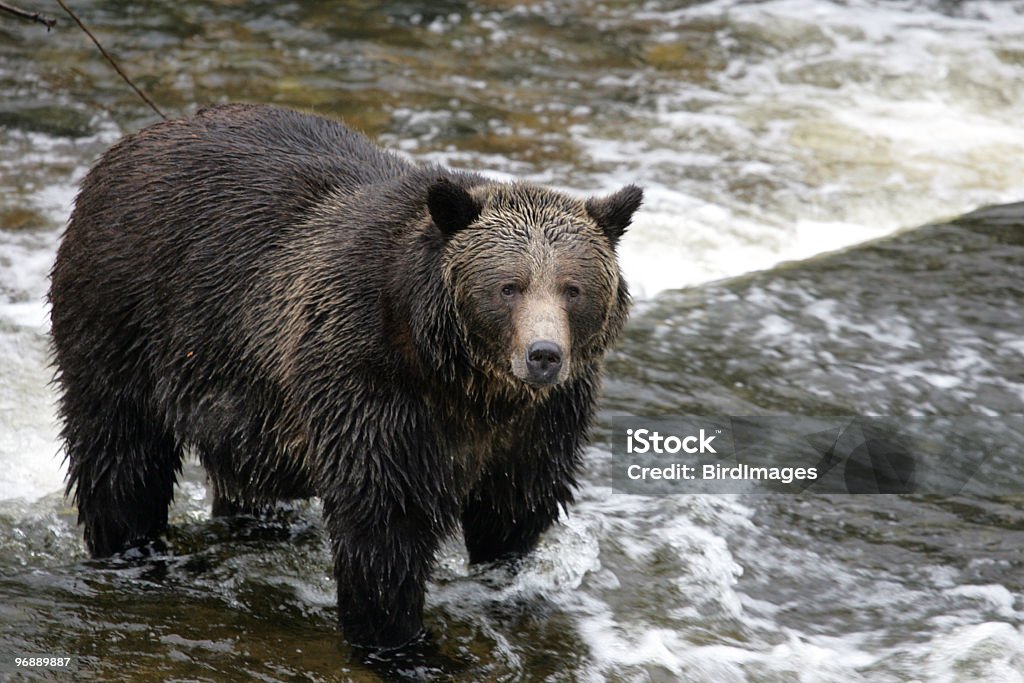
[313,316]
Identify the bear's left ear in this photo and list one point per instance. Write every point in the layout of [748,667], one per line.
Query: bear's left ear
[614,213]
[451,207]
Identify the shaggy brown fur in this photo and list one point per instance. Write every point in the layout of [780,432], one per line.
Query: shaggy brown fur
[317,317]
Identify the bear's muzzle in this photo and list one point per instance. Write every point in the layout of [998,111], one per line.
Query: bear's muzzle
[543,362]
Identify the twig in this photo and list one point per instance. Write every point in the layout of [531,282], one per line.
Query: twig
[111,59]
[48,22]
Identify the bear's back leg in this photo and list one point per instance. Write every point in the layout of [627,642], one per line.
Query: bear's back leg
[122,465]
[229,499]
[225,504]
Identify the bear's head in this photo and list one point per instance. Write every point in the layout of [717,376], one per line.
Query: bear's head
[533,275]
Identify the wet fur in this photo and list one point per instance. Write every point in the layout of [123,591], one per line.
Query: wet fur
[269,289]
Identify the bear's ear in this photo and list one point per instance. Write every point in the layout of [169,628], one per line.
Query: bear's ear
[614,213]
[451,207]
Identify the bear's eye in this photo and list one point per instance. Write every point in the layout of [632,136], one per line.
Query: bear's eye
[508,291]
[572,291]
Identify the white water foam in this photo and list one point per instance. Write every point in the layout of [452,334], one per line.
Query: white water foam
[30,460]
[832,123]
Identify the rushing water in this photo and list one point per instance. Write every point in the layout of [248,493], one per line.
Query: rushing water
[762,132]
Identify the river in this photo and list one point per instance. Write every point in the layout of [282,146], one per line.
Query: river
[803,250]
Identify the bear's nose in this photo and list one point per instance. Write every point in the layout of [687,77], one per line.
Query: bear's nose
[543,361]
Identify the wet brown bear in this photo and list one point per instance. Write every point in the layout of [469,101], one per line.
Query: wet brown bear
[417,346]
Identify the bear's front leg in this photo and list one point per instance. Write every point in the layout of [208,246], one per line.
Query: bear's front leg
[384,544]
[505,525]
[521,493]
[381,572]
[388,502]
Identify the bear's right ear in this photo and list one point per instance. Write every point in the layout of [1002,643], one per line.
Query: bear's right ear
[451,207]
[614,214]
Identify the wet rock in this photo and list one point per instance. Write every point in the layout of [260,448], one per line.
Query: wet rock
[929,321]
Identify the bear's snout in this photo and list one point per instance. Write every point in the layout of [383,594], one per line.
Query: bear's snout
[543,362]
[541,347]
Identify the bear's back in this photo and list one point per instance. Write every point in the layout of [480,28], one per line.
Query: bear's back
[234,183]
[324,150]
[237,168]
[177,227]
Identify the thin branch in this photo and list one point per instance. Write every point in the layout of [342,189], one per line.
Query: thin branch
[48,22]
[111,59]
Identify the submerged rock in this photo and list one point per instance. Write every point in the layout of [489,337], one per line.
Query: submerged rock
[55,120]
